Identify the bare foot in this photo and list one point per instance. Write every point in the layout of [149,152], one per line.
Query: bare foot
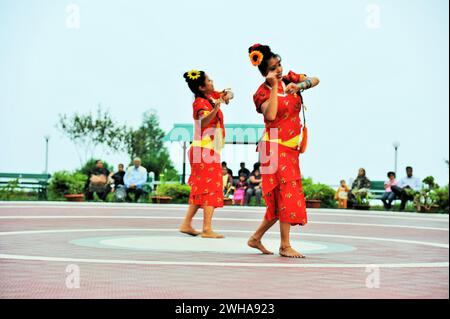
[252,242]
[289,252]
[189,231]
[211,234]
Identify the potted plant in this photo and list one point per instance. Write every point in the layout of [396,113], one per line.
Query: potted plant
[362,199]
[426,201]
[67,185]
[318,195]
[228,201]
[313,201]
[76,185]
[159,199]
[160,196]
[312,193]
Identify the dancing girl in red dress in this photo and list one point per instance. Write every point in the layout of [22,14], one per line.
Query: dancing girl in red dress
[279,100]
[204,155]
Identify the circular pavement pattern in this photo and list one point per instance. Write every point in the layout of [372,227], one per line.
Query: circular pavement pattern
[135,251]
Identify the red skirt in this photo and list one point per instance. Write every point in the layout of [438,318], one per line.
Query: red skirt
[206,178]
[282,184]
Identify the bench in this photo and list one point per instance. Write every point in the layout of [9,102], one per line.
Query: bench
[377,189]
[34,182]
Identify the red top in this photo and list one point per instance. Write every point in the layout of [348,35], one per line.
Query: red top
[287,120]
[202,106]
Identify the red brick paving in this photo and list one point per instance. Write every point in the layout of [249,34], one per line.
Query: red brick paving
[46,279]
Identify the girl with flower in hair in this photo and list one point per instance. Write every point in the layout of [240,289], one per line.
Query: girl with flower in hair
[279,100]
[204,154]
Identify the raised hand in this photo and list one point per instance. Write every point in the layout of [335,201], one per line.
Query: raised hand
[272,78]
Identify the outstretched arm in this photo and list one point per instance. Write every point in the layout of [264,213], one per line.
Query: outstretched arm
[310,82]
[306,84]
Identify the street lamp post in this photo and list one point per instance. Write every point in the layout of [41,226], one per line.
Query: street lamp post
[396,146]
[47,138]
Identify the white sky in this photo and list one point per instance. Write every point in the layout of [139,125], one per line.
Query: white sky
[378,85]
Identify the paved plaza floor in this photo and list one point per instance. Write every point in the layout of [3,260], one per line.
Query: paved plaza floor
[90,250]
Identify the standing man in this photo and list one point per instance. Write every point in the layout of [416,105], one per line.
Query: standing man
[135,178]
[407,187]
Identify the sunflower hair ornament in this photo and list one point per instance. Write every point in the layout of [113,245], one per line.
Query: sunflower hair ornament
[256,57]
[194,75]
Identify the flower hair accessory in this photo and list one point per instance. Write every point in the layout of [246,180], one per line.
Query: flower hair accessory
[194,75]
[256,58]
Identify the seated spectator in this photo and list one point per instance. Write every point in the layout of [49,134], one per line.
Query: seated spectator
[407,187]
[227,182]
[97,182]
[230,172]
[241,188]
[389,196]
[361,183]
[244,170]
[134,179]
[342,194]
[117,177]
[118,184]
[254,188]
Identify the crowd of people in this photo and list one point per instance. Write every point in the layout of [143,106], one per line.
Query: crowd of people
[122,183]
[246,185]
[241,188]
[403,189]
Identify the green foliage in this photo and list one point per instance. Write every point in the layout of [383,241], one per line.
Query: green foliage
[429,198]
[362,196]
[8,191]
[147,143]
[90,165]
[318,191]
[178,192]
[89,131]
[443,198]
[63,183]
[430,183]
[12,191]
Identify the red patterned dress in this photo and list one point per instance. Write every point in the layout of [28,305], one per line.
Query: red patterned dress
[279,151]
[204,155]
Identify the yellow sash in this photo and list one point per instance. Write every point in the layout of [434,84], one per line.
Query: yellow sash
[206,142]
[292,143]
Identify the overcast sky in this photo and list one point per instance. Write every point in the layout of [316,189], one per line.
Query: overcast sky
[383,67]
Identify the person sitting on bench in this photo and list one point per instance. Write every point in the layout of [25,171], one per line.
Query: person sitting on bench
[389,196]
[97,182]
[406,188]
[135,177]
[360,183]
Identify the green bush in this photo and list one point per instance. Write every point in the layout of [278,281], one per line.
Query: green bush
[63,183]
[178,192]
[9,190]
[318,191]
[90,165]
[443,198]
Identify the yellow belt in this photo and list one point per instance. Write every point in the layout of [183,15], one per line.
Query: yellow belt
[217,145]
[292,143]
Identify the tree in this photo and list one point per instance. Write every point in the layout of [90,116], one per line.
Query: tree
[88,132]
[147,143]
